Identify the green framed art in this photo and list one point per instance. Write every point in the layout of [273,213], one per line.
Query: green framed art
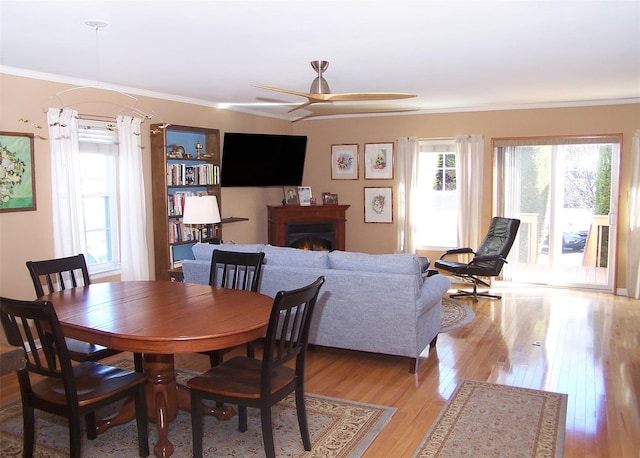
[17,172]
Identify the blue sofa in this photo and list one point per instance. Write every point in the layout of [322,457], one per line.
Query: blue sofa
[373,303]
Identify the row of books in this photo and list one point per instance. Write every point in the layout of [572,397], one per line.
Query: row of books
[192,175]
[179,232]
[175,201]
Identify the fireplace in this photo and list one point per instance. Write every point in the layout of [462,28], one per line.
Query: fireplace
[319,236]
[315,227]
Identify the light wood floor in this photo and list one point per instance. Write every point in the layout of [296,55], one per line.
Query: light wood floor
[584,344]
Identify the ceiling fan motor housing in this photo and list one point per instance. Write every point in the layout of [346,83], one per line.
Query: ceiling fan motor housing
[319,84]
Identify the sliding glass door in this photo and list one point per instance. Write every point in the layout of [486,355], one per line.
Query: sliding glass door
[564,191]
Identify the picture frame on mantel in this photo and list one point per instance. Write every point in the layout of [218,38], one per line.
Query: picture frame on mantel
[17,172]
[291,195]
[304,195]
[378,205]
[378,161]
[344,162]
[329,198]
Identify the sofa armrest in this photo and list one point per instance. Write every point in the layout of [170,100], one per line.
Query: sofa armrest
[431,292]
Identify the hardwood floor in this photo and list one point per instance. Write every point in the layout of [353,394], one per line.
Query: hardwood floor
[584,344]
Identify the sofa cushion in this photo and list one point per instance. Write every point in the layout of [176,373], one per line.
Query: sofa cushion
[204,251]
[382,263]
[286,256]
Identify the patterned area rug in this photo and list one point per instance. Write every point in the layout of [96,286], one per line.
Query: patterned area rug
[487,420]
[338,428]
[455,314]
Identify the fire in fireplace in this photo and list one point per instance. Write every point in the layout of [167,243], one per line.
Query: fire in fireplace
[318,236]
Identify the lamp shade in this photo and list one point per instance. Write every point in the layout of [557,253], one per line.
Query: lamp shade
[201,210]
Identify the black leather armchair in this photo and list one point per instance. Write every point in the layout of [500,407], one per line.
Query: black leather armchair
[487,260]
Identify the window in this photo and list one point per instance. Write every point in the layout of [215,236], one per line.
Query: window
[436,220]
[99,184]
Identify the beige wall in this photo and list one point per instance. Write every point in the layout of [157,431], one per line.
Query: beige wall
[27,235]
[381,238]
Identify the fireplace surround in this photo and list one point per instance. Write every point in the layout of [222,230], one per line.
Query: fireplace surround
[314,227]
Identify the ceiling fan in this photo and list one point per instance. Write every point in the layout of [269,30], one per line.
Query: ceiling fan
[320,92]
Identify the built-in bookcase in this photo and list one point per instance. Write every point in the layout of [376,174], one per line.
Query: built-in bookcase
[184,161]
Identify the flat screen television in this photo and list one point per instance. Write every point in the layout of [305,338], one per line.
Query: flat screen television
[262,160]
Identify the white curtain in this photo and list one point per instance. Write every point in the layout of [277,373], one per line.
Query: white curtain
[68,218]
[134,263]
[507,186]
[633,255]
[407,171]
[469,165]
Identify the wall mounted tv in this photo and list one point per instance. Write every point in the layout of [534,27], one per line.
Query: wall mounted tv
[262,160]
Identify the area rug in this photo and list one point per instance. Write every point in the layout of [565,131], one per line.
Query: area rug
[338,428]
[455,314]
[488,420]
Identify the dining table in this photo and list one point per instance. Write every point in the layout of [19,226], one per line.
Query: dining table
[160,319]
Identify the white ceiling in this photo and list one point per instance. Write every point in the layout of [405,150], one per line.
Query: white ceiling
[454,55]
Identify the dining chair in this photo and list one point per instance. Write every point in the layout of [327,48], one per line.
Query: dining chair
[249,382]
[236,270]
[71,271]
[57,386]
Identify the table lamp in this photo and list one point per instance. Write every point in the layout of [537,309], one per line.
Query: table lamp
[201,210]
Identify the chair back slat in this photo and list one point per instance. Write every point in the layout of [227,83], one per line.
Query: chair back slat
[236,270]
[54,272]
[288,329]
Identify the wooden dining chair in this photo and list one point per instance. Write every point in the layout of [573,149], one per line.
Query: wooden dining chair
[236,270]
[58,274]
[57,386]
[250,382]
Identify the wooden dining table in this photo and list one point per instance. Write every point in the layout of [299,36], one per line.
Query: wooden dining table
[160,319]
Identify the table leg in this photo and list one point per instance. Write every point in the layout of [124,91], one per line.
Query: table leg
[164,397]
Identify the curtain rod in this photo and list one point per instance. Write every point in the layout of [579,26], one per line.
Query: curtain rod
[94,117]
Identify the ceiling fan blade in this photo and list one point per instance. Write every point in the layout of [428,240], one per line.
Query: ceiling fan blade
[364,96]
[277,89]
[342,97]
[303,105]
[287,91]
[318,110]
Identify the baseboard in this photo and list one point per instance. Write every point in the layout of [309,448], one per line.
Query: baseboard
[622,292]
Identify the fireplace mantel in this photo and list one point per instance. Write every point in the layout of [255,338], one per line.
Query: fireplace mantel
[279,216]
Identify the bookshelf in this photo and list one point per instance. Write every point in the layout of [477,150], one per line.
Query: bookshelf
[184,161]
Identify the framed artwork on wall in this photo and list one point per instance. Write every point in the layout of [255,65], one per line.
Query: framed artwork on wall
[344,162]
[378,161]
[378,205]
[17,172]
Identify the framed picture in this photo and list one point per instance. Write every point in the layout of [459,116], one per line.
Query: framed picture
[378,161]
[290,195]
[378,205]
[304,195]
[344,162]
[17,172]
[329,199]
